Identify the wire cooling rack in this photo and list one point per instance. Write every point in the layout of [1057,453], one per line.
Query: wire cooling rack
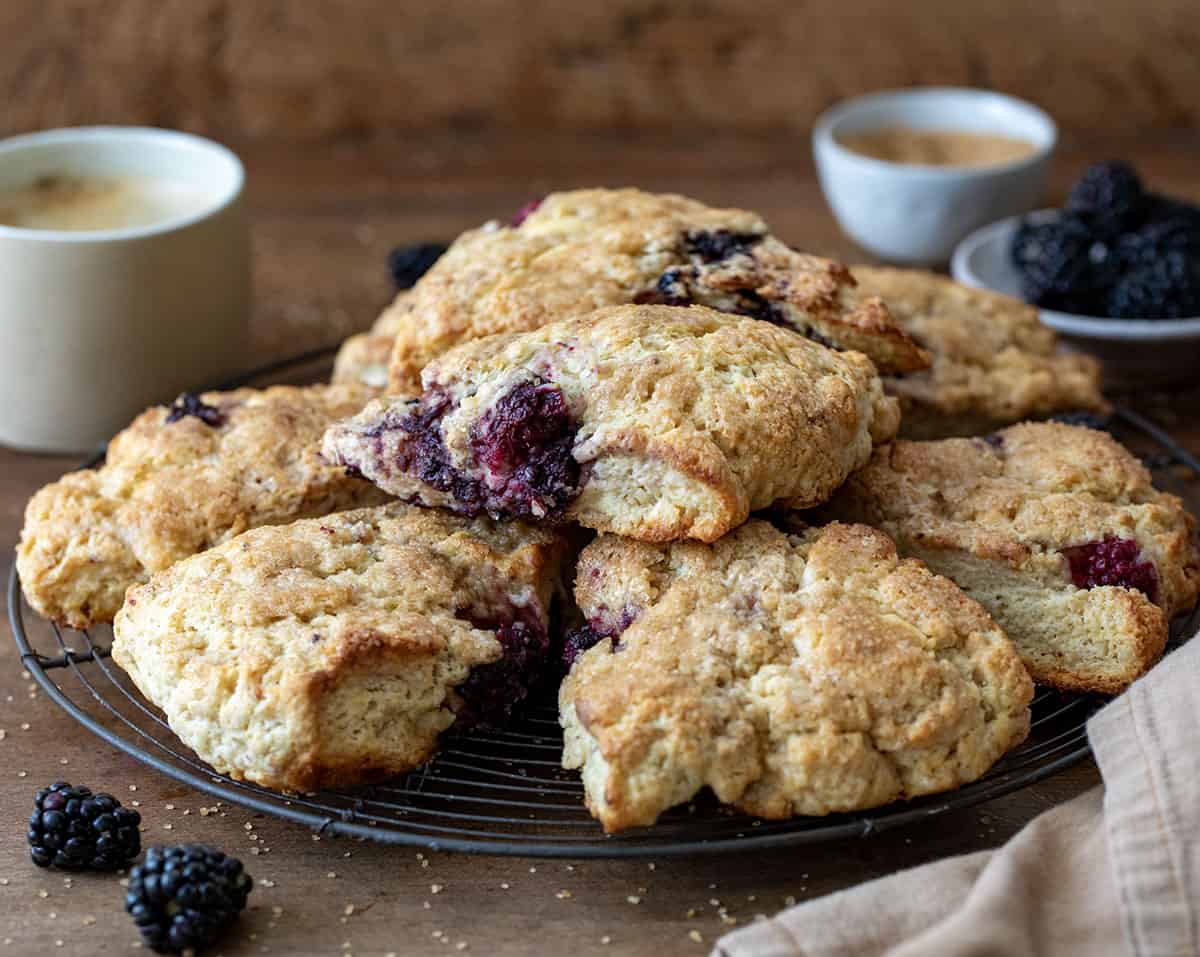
[504,792]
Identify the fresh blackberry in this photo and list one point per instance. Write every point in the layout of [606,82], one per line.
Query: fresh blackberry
[1110,194]
[1153,240]
[407,264]
[73,829]
[182,897]
[1166,288]
[1062,265]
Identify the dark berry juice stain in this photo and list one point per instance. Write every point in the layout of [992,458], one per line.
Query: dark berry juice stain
[525,212]
[190,404]
[493,691]
[1113,561]
[670,290]
[425,454]
[711,246]
[575,643]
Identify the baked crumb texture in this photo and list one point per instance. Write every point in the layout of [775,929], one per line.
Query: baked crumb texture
[655,422]
[179,480]
[791,674]
[336,650]
[363,359]
[994,363]
[582,250]
[1055,529]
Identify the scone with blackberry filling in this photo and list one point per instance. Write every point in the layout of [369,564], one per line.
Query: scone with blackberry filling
[994,363]
[178,480]
[1055,529]
[791,674]
[586,249]
[364,358]
[337,650]
[654,422]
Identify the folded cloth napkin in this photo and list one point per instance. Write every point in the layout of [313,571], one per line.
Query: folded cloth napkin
[1115,871]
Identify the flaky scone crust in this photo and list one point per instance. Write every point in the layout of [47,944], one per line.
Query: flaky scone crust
[994,363]
[591,248]
[364,358]
[167,491]
[326,652]
[689,419]
[1019,498]
[792,674]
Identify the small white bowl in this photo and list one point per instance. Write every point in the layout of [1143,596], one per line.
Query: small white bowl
[914,214]
[1135,352]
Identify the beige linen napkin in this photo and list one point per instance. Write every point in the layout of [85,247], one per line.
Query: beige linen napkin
[1115,871]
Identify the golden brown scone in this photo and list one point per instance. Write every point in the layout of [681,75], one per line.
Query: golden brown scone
[335,650]
[1055,529]
[994,363]
[590,248]
[655,422]
[177,481]
[364,358]
[792,674]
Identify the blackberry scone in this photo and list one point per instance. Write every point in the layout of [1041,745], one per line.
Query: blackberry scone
[650,421]
[1055,529]
[364,358]
[582,250]
[336,650]
[178,480]
[994,363]
[791,674]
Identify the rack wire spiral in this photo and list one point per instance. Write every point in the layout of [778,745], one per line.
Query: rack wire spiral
[504,792]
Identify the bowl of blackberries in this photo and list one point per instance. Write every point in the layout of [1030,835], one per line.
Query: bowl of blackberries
[1116,271]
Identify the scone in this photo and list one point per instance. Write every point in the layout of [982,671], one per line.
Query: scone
[994,363]
[655,422]
[582,250]
[177,481]
[1055,529]
[336,650]
[364,358]
[791,674]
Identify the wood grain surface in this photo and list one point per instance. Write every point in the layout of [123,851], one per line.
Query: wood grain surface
[298,68]
[323,222]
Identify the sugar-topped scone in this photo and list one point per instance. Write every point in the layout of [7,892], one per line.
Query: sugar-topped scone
[656,422]
[791,674]
[178,480]
[1055,529]
[364,358]
[994,363]
[336,650]
[581,250]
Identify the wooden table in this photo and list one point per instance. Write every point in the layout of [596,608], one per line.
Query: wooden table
[323,223]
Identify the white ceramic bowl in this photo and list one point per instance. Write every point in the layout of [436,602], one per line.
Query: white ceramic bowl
[914,214]
[1135,352]
[97,324]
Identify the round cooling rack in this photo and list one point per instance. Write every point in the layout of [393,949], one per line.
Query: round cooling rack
[504,792]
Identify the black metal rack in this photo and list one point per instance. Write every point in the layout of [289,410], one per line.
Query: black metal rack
[504,792]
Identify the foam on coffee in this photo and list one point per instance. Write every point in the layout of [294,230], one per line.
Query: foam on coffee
[88,203]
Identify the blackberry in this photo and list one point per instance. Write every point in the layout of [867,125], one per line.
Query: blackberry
[1062,265]
[73,829]
[191,404]
[1112,561]
[1166,288]
[1153,240]
[407,264]
[182,897]
[1110,194]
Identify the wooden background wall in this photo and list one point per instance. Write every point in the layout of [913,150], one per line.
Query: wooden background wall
[301,69]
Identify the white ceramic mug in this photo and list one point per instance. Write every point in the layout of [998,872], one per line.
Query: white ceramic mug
[96,325]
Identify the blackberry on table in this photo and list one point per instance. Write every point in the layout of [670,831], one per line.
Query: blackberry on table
[1168,287]
[1109,193]
[407,264]
[184,896]
[73,829]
